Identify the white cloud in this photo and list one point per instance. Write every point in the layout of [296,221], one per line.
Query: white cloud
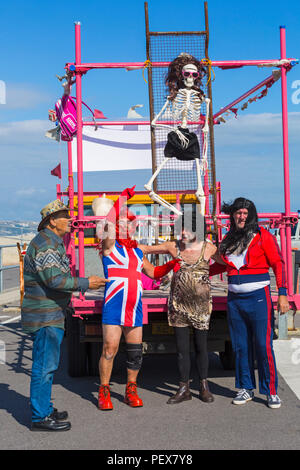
[28,192]
[20,132]
[264,128]
[23,96]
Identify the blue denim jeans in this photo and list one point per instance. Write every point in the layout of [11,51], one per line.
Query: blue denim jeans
[45,360]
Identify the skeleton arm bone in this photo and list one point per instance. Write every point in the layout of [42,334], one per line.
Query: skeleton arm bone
[205,127]
[182,138]
[153,123]
[205,130]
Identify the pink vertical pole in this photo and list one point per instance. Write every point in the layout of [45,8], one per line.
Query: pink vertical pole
[206,192]
[70,179]
[283,242]
[79,149]
[206,184]
[287,201]
[218,212]
[71,247]
[218,207]
[58,190]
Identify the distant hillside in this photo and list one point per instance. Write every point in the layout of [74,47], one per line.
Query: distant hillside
[17,228]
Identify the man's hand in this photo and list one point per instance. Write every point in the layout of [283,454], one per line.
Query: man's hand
[95,282]
[283,304]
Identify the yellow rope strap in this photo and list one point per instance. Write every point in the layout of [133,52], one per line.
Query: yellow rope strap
[207,63]
[147,64]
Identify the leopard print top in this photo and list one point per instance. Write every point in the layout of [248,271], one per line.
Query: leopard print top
[190,301]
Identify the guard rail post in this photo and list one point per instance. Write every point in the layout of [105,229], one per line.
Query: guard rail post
[1,276]
[4,268]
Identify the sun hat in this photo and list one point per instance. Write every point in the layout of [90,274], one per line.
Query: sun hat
[49,210]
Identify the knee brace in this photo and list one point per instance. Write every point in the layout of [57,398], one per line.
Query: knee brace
[134,356]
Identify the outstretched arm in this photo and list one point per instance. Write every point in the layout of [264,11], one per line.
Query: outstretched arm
[161,249]
[156,272]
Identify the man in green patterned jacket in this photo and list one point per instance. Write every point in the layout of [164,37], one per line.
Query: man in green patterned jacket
[48,289]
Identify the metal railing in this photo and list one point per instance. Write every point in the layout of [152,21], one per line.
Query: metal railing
[4,268]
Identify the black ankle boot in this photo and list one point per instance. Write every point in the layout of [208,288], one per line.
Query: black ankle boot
[182,394]
[204,393]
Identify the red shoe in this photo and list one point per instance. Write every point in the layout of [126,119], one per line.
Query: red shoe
[131,396]
[104,401]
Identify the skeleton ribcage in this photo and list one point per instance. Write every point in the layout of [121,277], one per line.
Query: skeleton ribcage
[187,104]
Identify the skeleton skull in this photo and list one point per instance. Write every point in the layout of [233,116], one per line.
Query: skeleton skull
[190,73]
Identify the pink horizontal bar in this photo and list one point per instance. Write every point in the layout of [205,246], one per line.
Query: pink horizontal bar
[223,216]
[214,63]
[115,193]
[116,123]
[135,123]
[263,215]
[157,304]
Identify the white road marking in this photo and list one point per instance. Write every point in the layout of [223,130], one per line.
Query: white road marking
[11,320]
[287,354]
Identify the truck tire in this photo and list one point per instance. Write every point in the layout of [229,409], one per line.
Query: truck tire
[76,351]
[227,357]
[94,353]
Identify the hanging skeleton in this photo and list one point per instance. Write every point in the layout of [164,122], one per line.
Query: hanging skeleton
[183,104]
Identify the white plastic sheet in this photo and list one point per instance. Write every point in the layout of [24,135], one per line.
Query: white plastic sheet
[114,148]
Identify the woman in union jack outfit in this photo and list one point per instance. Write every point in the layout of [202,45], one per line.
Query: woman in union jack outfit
[123,261]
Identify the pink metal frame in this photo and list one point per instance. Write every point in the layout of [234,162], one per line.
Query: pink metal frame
[274,220]
[83,68]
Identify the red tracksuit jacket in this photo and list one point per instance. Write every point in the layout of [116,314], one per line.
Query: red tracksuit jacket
[263,253]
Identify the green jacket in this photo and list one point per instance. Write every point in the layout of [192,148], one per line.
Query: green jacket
[48,282]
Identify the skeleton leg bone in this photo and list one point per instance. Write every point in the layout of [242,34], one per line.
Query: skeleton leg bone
[155,197]
[200,193]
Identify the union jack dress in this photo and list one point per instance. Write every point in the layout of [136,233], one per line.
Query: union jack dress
[123,293]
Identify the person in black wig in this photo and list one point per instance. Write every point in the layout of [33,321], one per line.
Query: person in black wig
[238,238]
[248,252]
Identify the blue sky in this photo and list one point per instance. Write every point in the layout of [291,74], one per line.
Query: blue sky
[37,39]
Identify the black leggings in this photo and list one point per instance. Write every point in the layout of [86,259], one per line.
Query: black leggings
[182,335]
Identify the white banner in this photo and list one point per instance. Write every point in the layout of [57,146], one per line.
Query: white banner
[114,148]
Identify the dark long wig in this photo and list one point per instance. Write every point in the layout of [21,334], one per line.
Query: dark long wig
[239,239]
[174,78]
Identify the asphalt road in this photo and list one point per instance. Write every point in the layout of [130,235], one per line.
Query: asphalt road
[156,426]
[11,278]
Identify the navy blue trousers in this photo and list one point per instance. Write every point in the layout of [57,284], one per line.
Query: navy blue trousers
[251,321]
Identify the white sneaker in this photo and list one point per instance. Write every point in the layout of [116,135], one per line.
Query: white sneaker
[243,396]
[273,401]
